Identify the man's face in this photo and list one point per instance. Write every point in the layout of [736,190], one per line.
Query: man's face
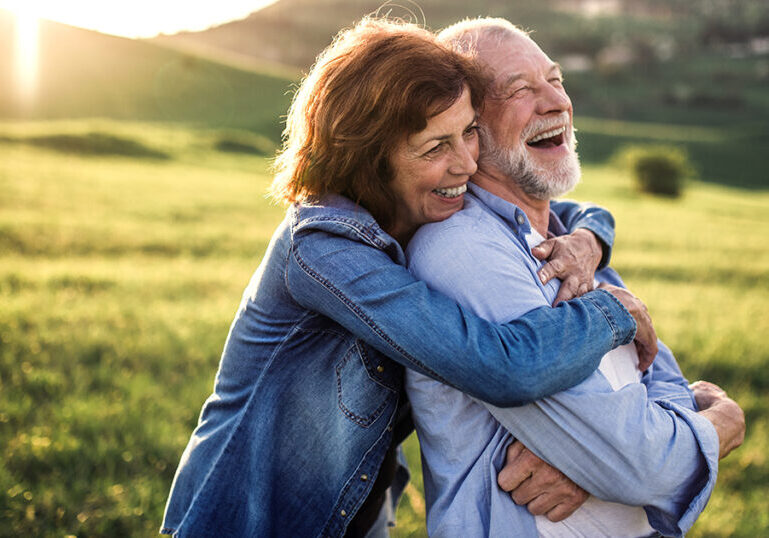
[527,121]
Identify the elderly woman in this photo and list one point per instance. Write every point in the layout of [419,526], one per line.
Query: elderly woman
[300,434]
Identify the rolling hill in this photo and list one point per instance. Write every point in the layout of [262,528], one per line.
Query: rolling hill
[638,69]
[87,74]
[651,62]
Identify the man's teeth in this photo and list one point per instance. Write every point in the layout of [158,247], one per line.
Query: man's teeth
[453,192]
[547,134]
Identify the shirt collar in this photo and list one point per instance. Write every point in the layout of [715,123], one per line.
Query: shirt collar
[513,215]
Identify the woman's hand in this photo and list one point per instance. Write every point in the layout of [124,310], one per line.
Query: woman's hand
[645,335]
[544,490]
[725,414]
[573,258]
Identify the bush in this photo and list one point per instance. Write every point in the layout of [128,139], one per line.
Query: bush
[242,142]
[657,169]
[95,144]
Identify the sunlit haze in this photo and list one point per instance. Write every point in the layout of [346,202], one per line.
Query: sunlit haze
[139,18]
[25,56]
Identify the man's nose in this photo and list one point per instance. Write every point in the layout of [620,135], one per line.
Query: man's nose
[552,99]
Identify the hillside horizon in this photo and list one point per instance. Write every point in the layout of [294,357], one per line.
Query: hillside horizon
[83,73]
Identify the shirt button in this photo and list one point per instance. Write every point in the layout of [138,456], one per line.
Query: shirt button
[343,513]
[380,368]
[364,477]
[519,218]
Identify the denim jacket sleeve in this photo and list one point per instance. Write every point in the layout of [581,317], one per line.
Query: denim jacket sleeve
[360,287]
[596,219]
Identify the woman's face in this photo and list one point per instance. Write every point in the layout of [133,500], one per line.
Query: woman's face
[432,168]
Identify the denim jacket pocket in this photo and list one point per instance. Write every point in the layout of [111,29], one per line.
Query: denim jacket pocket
[361,389]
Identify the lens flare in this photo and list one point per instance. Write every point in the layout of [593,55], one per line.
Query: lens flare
[26,56]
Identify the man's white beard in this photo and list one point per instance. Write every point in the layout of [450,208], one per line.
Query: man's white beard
[539,182]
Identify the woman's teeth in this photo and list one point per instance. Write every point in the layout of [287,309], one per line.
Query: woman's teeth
[452,192]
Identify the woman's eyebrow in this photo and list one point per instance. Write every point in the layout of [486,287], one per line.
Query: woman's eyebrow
[443,137]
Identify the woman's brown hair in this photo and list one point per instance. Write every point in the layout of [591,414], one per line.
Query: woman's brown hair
[377,83]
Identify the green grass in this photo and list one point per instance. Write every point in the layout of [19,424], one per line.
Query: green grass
[119,277]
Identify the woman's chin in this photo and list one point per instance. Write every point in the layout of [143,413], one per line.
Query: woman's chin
[445,207]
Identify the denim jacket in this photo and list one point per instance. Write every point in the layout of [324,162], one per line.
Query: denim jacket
[306,397]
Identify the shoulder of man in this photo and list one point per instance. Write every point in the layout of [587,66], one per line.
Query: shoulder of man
[440,241]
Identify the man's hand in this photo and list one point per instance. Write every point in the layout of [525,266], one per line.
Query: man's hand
[645,336]
[573,258]
[543,489]
[723,412]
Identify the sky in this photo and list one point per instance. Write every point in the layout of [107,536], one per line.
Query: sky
[138,18]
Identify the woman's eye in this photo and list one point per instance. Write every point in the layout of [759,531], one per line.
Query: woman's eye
[472,130]
[435,149]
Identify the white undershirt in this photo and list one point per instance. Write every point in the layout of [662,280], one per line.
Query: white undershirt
[596,517]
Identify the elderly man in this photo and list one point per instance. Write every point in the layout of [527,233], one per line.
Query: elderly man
[643,445]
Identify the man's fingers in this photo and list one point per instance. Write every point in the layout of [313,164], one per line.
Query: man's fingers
[646,342]
[516,468]
[646,337]
[561,511]
[553,268]
[541,505]
[571,288]
[544,249]
[525,493]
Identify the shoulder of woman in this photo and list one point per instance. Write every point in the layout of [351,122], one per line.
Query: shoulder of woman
[338,216]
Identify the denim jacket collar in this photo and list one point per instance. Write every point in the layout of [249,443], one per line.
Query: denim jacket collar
[341,216]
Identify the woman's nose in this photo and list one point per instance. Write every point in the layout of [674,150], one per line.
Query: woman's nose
[466,158]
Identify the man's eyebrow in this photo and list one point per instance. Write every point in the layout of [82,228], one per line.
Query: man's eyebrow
[509,80]
[556,67]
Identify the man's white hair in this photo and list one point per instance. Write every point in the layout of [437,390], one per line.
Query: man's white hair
[468,35]
[472,36]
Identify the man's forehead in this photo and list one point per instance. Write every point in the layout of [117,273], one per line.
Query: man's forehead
[511,54]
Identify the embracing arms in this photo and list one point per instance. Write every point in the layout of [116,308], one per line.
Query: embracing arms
[363,289]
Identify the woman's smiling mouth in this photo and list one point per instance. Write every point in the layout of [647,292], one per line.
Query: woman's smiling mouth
[452,192]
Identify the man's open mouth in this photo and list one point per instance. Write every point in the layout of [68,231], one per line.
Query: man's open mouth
[452,192]
[548,139]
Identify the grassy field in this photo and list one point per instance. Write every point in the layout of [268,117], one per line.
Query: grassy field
[119,275]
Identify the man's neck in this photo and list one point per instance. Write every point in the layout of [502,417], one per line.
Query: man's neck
[498,184]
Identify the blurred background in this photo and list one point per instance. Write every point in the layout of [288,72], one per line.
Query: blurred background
[135,145]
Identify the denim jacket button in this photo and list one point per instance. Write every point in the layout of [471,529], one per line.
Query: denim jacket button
[343,513]
[380,368]
[364,477]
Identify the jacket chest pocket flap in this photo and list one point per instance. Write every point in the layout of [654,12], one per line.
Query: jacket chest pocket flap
[364,384]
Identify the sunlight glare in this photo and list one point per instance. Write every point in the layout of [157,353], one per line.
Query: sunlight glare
[26,54]
[139,18]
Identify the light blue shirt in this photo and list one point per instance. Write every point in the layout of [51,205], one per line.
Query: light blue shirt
[642,445]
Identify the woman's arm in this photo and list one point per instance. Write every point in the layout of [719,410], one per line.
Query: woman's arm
[379,301]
